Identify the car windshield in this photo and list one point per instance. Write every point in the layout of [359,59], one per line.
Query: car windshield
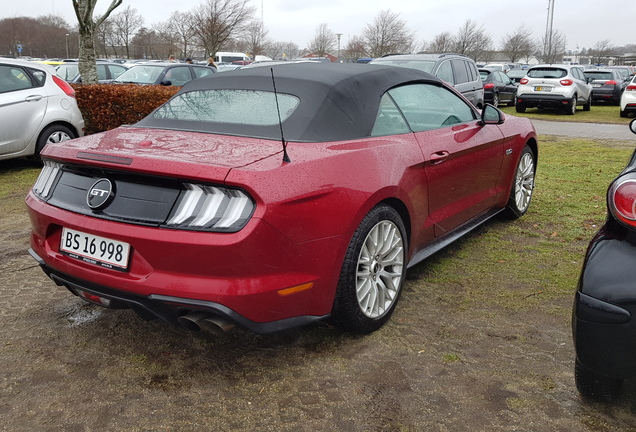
[146,74]
[240,107]
[547,73]
[67,71]
[599,75]
[423,65]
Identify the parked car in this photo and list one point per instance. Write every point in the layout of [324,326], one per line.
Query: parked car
[503,67]
[106,71]
[604,308]
[190,215]
[516,74]
[607,85]
[554,86]
[36,108]
[628,98]
[497,87]
[457,70]
[627,70]
[176,74]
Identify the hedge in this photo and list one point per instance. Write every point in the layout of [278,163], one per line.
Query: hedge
[107,106]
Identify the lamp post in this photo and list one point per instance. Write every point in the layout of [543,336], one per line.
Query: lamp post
[67,56]
[338,35]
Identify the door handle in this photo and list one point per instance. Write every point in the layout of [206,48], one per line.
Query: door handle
[439,157]
[33,98]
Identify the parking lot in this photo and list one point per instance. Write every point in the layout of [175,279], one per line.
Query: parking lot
[451,359]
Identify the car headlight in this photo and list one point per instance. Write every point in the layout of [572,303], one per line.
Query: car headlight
[211,208]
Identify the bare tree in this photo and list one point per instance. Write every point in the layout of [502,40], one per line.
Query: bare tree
[125,24]
[601,51]
[282,50]
[84,11]
[323,42]
[553,47]
[472,41]
[181,25]
[216,21]
[443,42]
[387,34]
[519,44]
[255,39]
[167,42]
[354,49]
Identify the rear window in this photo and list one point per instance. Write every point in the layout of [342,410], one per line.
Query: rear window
[484,75]
[600,75]
[547,73]
[241,107]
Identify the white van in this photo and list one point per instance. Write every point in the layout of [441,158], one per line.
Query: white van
[229,57]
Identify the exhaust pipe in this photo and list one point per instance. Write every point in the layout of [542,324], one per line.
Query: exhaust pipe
[203,321]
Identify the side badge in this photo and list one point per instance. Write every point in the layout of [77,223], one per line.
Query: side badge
[100,194]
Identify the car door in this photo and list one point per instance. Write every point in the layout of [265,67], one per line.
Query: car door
[508,90]
[462,158]
[584,89]
[23,104]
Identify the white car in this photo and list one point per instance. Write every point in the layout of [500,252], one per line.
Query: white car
[554,86]
[36,107]
[628,98]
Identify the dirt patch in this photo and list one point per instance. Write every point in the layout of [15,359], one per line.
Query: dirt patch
[453,358]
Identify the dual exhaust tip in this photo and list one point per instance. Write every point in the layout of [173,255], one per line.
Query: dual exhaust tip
[203,321]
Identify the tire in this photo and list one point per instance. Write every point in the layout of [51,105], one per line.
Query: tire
[373,272]
[52,134]
[495,100]
[595,386]
[523,185]
[587,105]
[512,101]
[520,108]
[571,108]
[624,113]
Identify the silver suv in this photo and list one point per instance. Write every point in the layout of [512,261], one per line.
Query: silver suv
[457,70]
[554,86]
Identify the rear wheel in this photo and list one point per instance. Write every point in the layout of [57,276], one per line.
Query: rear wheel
[495,100]
[53,134]
[595,386]
[571,107]
[373,272]
[624,113]
[520,107]
[521,191]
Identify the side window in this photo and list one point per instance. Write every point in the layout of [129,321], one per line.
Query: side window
[472,70]
[13,78]
[116,70]
[461,71]
[101,71]
[200,72]
[389,120]
[577,74]
[178,75]
[427,106]
[445,72]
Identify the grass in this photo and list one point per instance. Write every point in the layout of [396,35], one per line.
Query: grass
[600,113]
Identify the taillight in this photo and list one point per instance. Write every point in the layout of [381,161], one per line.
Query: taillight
[66,87]
[610,82]
[523,81]
[566,82]
[489,86]
[622,200]
[631,88]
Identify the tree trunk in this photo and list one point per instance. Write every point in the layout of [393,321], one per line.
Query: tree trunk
[87,65]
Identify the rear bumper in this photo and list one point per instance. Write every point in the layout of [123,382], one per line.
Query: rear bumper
[543,100]
[603,324]
[168,308]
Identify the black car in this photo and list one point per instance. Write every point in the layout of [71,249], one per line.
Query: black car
[176,74]
[603,324]
[498,87]
[607,85]
[515,75]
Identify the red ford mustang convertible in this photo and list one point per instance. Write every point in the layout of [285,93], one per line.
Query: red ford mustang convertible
[273,197]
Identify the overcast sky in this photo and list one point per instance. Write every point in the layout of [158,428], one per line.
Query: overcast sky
[584,22]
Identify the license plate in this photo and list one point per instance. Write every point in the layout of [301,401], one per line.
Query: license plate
[597,85]
[546,89]
[96,250]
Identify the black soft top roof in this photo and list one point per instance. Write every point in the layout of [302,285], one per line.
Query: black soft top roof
[337,101]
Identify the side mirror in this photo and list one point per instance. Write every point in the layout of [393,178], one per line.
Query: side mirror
[491,115]
[632,126]
[166,83]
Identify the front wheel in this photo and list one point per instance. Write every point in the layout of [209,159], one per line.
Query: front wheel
[373,272]
[595,386]
[588,104]
[571,107]
[521,191]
